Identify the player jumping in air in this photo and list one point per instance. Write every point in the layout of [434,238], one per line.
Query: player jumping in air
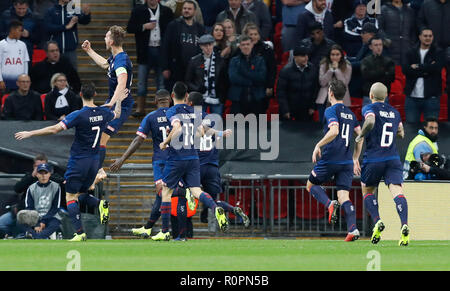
[381,160]
[82,167]
[156,124]
[120,76]
[209,160]
[183,162]
[336,158]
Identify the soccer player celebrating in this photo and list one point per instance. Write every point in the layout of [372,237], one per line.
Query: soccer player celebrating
[89,122]
[156,124]
[120,76]
[381,160]
[336,158]
[183,162]
[209,160]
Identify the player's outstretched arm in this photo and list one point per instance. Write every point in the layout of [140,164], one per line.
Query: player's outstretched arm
[121,91]
[135,144]
[331,134]
[43,131]
[176,131]
[98,59]
[357,152]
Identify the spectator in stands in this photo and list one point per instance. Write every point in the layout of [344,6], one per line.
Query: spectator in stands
[315,10]
[177,8]
[422,69]
[264,49]
[148,23]
[260,9]
[13,57]
[62,25]
[341,10]
[352,27]
[297,87]
[435,14]
[43,196]
[61,100]
[238,14]
[23,104]
[40,7]
[319,45]
[291,10]
[210,9]
[42,72]
[180,44]
[368,31]
[21,12]
[8,220]
[206,74]
[333,66]
[424,142]
[232,37]
[397,20]
[247,75]
[220,40]
[376,68]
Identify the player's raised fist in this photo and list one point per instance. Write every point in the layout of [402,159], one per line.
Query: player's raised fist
[86,45]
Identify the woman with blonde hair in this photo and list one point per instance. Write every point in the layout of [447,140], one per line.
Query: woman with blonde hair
[61,100]
[232,37]
[333,66]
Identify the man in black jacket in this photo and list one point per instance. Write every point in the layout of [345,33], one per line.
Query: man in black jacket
[319,45]
[238,14]
[376,68]
[435,14]
[297,88]
[206,74]
[148,22]
[42,72]
[422,70]
[180,44]
[23,104]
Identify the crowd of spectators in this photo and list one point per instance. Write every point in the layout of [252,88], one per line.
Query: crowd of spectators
[243,62]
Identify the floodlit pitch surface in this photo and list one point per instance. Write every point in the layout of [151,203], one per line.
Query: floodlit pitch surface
[223,255]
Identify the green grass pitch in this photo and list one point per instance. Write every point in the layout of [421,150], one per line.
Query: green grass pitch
[223,255]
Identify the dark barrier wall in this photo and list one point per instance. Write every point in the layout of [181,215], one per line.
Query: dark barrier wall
[296,143]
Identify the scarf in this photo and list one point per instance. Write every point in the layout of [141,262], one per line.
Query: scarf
[155,34]
[210,81]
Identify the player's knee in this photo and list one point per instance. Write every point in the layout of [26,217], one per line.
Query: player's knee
[72,197]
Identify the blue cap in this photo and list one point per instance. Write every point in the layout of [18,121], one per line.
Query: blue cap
[44,167]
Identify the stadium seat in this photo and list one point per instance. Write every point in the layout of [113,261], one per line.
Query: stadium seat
[4,99]
[280,200]
[38,56]
[43,105]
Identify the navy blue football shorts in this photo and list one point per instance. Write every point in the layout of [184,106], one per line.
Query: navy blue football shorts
[210,180]
[343,175]
[391,171]
[80,174]
[187,171]
[115,124]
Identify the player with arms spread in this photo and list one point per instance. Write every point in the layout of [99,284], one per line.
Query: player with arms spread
[183,163]
[336,158]
[156,124]
[381,160]
[120,77]
[89,122]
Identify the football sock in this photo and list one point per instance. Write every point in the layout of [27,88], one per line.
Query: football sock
[350,215]
[371,204]
[181,217]
[320,195]
[227,207]
[75,216]
[155,213]
[206,199]
[89,200]
[402,208]
[165,215]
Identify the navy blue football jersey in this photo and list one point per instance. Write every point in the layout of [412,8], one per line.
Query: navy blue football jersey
[89,123]
[184,147]
[381,140]
[208,153]
[157,124]
[339,151]
[119,62]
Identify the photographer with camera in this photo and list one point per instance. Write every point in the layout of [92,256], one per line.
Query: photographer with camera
[424,142]
[433,167]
